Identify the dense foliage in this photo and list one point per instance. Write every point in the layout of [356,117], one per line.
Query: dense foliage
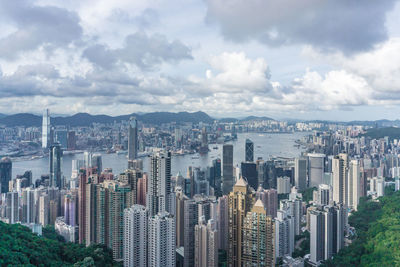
[377,226]
[307,194]
[20,247]
[376,133]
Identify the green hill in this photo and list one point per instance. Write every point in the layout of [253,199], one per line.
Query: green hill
[20,247]
[376,133]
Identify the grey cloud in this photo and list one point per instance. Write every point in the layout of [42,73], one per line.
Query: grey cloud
[140,49]
[349,26]
[36,26]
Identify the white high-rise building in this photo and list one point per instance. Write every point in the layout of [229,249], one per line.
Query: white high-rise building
[340,179]
[294,209]
[283,185]
[315,169]
[159,196]
[327,225]
[46,129]
[284,234]
[206,244]
[161,240]
[354,184]
[135,236]
[324,195]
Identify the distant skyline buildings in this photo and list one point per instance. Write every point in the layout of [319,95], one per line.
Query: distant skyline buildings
[132,139]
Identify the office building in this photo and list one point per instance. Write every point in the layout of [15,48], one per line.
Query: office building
[240,201]
[46,129]
[249,151]
[249,173]
[283,185]
[222,221]
[227,169]
[258,238]
[5,174]
[61,137]
[315,169]
[300,173]
[132,139]
[161,240]
[55,159]
[135,236]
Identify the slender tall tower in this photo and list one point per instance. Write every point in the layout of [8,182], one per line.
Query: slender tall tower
[159,196]
[340,179]
[46,129]
[249,151]
[161,245]
[354,184]
[206,244]
[55,158]
[227,169]
[135,236]
[240,202]
[258,238]
[132,139]
[5,174]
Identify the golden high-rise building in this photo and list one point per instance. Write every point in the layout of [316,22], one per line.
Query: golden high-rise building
[258,238]
[240,201]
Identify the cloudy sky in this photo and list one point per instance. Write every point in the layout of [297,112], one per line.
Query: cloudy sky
[308,59]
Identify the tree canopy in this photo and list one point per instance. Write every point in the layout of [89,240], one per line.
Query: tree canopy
[20,247]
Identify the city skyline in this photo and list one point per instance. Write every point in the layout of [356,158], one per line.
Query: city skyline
[124,57]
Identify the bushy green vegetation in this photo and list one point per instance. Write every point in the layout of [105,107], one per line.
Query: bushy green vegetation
[307,194]
[377,242]
[20,247]
[376,133]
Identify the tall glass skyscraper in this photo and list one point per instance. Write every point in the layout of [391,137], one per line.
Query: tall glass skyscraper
[132,139]
[5,174]
[249,150]
[46,129]
[55,158]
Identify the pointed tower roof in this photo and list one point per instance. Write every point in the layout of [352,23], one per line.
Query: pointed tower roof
[241,182]
[259,207]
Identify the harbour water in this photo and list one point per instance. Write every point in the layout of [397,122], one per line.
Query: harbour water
[265,146]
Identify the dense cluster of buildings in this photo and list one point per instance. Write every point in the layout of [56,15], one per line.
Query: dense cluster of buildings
[246,215]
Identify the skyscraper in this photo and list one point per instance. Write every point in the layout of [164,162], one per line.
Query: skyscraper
[159,197]
[269,198]
[227,168]
[315,169]
[340,179]
[327,226]
[249,172]
[135,236]
[300,173]
[55,157]
[206,244]
[258,238]
[249,151]
[354,184]
[223,223]
[132,139]
[5,174]
[46,129]
[161,240]
[284,234]
[241,200]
